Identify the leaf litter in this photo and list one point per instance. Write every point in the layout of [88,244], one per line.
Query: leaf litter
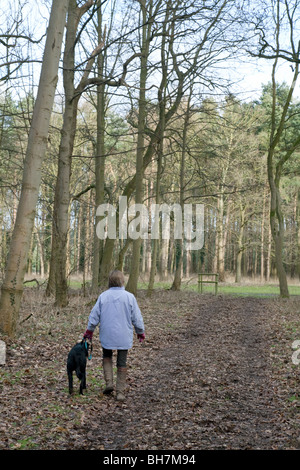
[214,373]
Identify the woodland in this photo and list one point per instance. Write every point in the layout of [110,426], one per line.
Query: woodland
[143,100]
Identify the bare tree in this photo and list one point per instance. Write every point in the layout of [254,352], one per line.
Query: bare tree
[58,274]
[12,288]
[148,10]
[284,47]
[100,153]
[58,271]
[194,40]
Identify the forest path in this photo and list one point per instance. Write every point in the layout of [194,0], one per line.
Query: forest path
[215,372]
[208,387]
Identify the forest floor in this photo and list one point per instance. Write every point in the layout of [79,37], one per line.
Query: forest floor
[215,372]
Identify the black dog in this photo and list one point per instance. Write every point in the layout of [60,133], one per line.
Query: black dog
[77,362]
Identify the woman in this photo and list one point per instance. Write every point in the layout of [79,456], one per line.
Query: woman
[117,312]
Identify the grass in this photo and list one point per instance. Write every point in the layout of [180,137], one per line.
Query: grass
[247,288]
[244,290]
[294,398]
[24,444]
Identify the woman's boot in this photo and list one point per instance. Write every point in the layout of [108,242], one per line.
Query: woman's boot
[108,375]
[121,383]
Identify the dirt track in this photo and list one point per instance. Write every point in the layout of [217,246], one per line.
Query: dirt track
[214,373]
[211,387]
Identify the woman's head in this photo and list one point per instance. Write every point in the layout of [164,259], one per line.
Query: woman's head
[116,279]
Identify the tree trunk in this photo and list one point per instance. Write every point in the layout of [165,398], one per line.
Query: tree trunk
[162,119]
[179,243]
[136,245]
[269,248]
[99,158]
[216,253]
[42,256]
[12,288]
[262,229]
[298,234]
[277,230]
[62,189]
[240,249]
[275,170]
[221,252]
[274,174]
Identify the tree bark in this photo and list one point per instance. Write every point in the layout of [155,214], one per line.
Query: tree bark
[136,245]
[62,189]
[161,129]
[240,246]
[100,157]
[12,288]
[274,168]
[274,175]
[262,241]
[277,230]
[179,243]
[298,234]
[221,247]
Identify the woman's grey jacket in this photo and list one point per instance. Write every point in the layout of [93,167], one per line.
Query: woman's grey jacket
[117,311]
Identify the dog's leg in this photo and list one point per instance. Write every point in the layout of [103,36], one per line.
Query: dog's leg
[82,383]
[70,376]
[81,386]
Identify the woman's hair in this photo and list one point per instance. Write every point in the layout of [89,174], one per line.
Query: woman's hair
[116,279]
